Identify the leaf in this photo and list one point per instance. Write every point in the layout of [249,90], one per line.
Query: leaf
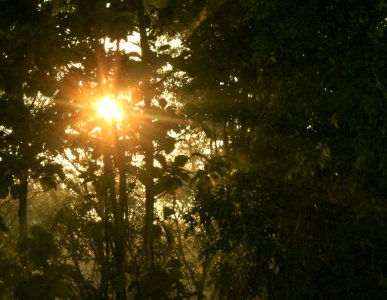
[167,144]
[47,183]
[181,160]
[162,102]
[163,59]
[157,172]
[164,47]
[54,168]
[167,211]
[161,159]
[164,184]
[130,169]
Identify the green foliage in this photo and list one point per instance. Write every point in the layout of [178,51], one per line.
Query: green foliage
[53,58]
[288,102]
[39,248]
[45,280]
[167,211]
[47,183]
[162,284]
[299,107]
[46,285]
[180,160]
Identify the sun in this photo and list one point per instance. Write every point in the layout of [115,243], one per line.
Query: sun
[109,110]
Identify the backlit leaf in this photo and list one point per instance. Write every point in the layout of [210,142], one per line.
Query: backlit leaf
[180,160]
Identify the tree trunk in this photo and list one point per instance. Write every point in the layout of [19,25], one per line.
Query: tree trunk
[22,211]
[120,229]
[118,234]
[113,206]
[147,143]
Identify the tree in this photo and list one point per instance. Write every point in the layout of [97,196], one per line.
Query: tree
[302,136]
[132,78]
[29,127]
[264,130]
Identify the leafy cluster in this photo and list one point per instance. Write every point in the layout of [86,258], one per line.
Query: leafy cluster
[296,94]
[250,161]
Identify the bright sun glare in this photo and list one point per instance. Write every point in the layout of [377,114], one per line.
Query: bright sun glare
[109,109]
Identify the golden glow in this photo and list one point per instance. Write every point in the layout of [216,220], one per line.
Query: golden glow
[109,110]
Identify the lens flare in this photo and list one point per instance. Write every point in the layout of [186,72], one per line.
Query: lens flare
[109,110]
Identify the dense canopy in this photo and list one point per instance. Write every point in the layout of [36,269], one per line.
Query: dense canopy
[164,149]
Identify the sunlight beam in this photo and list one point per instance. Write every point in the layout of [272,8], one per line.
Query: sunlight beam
[109,110]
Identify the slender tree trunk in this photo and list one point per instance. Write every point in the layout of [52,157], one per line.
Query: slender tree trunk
[147,142]
[120,243]
[215,138]
[118,235]
[109,187]
[104,285]
[225,139]
[111,159]
[22,211]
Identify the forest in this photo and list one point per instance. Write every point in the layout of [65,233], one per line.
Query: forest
[193,149]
